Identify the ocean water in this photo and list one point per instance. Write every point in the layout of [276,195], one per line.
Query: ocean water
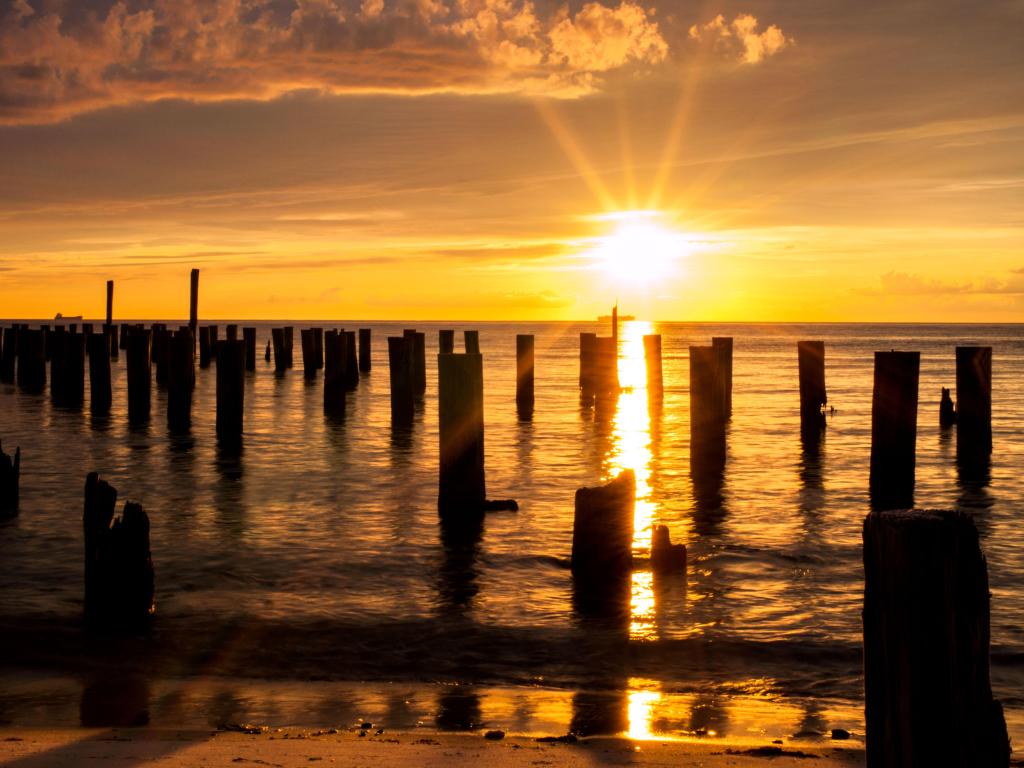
[315,553]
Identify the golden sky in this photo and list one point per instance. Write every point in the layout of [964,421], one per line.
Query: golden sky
[457,159]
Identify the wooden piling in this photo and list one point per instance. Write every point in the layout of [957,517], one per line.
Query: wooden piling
[289,346]
[9,354]
[894,429]
[604,369]
[587,384]
[73,365]
[318,347]
[100,395]
[335,364]
[928,699]
[193,304]
[139,374]
[280,352]
[119,578]
[813,396]
[161,352]
[249,336]
[10,474]
[181,377]
[723,353]
[707,406]
[947,410]
[365,362]
[57,360]
[204,347]
[462,488]
[445,342]
[652,361]
[230,388]
[400,365]
[472,342]
[351,364]
[110,302]
[973,403]
[524,373]
[419,359]
[309,366]
[231,331]
[31,361]
[602,543]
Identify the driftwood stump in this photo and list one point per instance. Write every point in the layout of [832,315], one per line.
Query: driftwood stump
[602,543]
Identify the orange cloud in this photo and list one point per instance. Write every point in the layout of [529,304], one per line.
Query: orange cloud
[57,63]
[740,38]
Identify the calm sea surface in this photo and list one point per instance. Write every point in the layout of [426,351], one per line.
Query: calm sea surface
[316,554]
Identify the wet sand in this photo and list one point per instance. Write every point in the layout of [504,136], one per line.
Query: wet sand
[57,748]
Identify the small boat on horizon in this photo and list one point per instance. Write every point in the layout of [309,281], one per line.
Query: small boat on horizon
[59,316]
[608,318]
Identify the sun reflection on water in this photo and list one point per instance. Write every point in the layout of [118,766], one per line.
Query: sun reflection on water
[631,449]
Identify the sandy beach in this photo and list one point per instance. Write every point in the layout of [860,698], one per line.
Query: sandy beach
[57,748]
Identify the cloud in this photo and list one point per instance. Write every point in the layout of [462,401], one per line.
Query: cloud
[902,284]
[740,39]
[70,56]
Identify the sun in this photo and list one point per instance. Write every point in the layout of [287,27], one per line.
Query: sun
[639,248]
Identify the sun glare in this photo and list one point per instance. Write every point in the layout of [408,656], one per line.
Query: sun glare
[639,248]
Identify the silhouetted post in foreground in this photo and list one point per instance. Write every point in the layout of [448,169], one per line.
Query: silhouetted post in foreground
[364,350]
[667,559]
[524,373]
[309,366]
[707,407]
[318,347]
[100,395]
[181,378]
[813,397]
[193,305]
[928,700]
[400,364]
[31,361]
[419,359]
[472,342]
[249,335]
[110,302]
[894,429]
[204,347]
[10,472]
[445,342]
[119,579]
[289,346]
[947,410]
[230,389]
[231,331]
[119,338]
[335,363]
[213,342]
[351,364]
[9,355]
[280,352]
[723,351]
[652,359]
[605,369]
[602,543]
[139,375]
[973,404]
[587,344]
[160,351]
[462,489]
[72,367]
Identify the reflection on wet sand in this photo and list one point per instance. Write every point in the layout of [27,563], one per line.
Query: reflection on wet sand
[115,701]
[458,709]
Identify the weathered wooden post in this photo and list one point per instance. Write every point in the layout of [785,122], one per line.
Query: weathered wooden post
[139,375]
[119,338]
[602,544]
[723,351]
[604,369]
[928,699]
[181,378]
[57,360]
[947,410]
[615,326]
[400,364]
[973,404]
[309,365]
[813,397]
[10,473]
[230,389]
[351,364]
[524,373]
[9,354]
[419,359]
[280,351]
[365,363]
[707,407]
[73,370]
[119,579]
[193,306]
[335,363]
[231,331]
[289,346]
[213,342]
[110,302]
[204,347]
[249,335]
[894,429]
[472,342]
[318,347]
[587,383]
[461,488]
[445,342]
[46,341]
[31,361]
[100,395]
[652,360]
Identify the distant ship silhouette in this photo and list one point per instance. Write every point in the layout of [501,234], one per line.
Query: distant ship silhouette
[59,316]
[608,318]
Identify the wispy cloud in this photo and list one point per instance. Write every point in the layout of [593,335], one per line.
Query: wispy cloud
[894,283]
[740,38]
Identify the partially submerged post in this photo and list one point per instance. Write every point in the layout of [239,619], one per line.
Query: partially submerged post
[289,346]
[364,350]
[335,363]
[472,342]
[10,472]
[9,354]
[309,366]
[119,579]
[604,369]
[72,370]
[524,373]
[587,344]
[947,410]
[445,342]
[707,407]
[266,354]
[928,699]
[230,389]
[652,359]
[400,365]
[139,375]
[280,351]
[974,404]
[231,331]
[813,397]
[318,347]
[249,335]
[100,394]
[109,328]
[667,559]
[181,377]
[31,361]
[204,347]
[461,488]
[161,348]
[110,302]
[894,429]
[419,359]
[602,543]
[193,305]
[351,364]
[723,354]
